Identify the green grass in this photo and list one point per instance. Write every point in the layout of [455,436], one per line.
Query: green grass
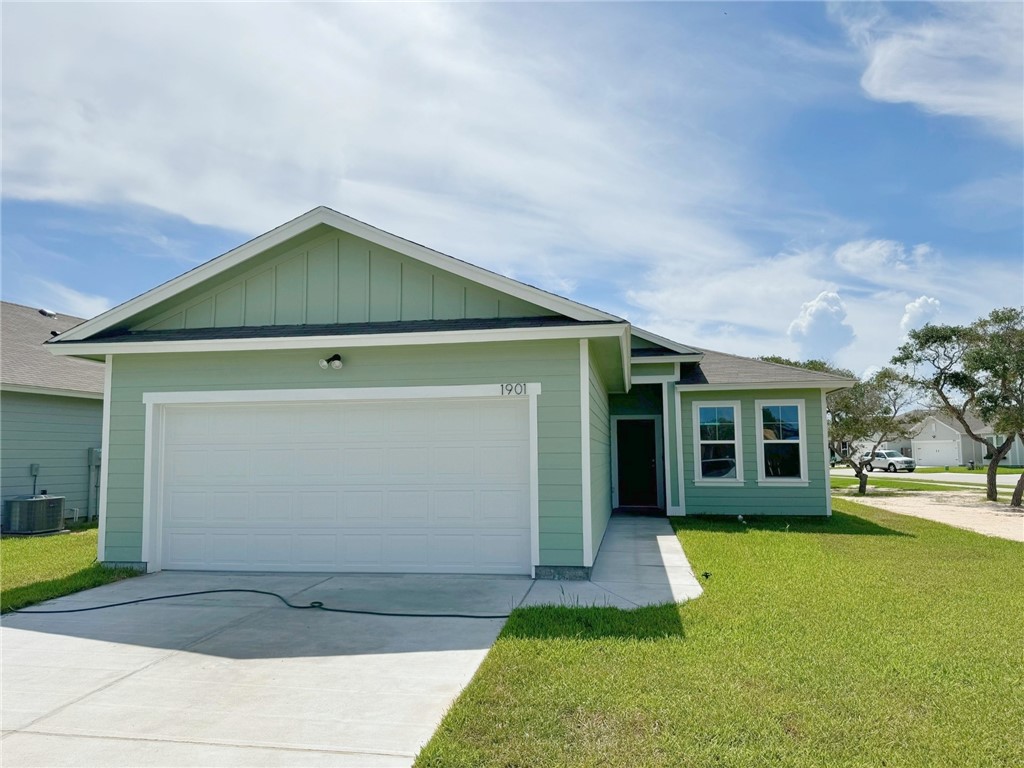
[869,639]
[838,483]
[37,568]
[964,470]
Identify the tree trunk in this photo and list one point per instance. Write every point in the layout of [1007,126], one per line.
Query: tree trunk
[862,476]
[998,454]
[1018,492]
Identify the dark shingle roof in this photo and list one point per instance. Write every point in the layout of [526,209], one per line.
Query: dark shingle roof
[25,362]
[335,329]
[721,368]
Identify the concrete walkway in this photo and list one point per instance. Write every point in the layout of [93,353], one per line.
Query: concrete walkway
[241,680]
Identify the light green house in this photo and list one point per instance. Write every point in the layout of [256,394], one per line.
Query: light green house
[51,413]
[331,397]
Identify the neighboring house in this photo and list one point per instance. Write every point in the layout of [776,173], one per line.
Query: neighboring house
[51,412]
[331,397]
[942,441]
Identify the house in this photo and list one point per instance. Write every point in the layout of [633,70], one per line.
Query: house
[941,440]
[51,413]
[331,397]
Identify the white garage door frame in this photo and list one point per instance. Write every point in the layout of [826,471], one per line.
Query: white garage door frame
[155,403]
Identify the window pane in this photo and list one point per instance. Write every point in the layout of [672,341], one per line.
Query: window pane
[782,460]
[718,460]
[708,415]
[708,432]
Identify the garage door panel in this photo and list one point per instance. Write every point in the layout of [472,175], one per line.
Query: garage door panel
[331,487]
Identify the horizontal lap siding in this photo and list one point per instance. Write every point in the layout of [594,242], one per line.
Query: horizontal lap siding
[751,498]
[600,458]
[54,432]
[555,364]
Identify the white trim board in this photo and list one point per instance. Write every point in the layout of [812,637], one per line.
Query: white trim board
[675,346]
[325,342]
[827,454]
[659,456]
[156,403]
[339,221]
[101,534]
[753,386]
[587,494]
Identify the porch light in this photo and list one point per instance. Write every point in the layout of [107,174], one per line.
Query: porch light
[334,361]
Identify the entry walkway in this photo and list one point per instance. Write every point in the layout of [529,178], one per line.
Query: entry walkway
[640,562]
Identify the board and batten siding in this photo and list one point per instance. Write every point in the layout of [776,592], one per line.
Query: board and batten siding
[600,457]
[333,278]
[554,364]
[750,498]
[56,433]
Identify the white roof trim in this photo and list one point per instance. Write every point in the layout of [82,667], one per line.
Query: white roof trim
[340,221]
[828,386]
[695,358]
[691,354]
[81,393]
[323,342]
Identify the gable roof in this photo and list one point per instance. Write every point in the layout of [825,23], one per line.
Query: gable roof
[329,217]
[26,365]
[977,425]
[718,369]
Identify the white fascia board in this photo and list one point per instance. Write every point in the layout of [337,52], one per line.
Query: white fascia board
[825,386]
[666,359]
[344,223]
[53,392]
[661,341]
[667,379]
[323,342]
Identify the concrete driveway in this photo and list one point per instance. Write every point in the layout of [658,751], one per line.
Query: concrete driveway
[240,679]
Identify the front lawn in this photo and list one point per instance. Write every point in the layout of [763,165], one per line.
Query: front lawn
[37,568]
[840,483]
[871,639]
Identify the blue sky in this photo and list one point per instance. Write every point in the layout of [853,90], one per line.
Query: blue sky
[775,178]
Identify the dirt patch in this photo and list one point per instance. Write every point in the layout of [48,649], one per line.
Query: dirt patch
[962,509]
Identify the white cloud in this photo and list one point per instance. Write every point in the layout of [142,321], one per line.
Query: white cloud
[821,329]
[65,300]
[961,59]
[870,256]
[918,312]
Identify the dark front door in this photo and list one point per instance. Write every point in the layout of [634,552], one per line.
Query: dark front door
[638,470]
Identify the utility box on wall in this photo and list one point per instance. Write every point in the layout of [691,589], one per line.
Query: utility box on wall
[33,514]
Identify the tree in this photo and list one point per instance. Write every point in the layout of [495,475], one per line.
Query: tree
[871,412]
[978,368]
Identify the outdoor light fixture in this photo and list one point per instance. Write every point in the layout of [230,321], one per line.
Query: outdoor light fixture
[334,361]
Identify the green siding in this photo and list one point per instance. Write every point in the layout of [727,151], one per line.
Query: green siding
[54,432]
[555,364]
[652,369]
[600,457]
[332,278]
[751,498]
[641,400]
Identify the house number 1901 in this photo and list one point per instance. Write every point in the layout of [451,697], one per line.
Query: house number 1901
[513,389]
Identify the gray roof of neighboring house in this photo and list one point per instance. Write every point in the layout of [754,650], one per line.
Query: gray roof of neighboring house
[25,362]
[721,368]
[977,425]
[337,329]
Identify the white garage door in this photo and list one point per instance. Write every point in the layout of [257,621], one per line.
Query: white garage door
[436,486]
[936,453]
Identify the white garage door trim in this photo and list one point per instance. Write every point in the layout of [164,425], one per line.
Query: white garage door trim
[155,417]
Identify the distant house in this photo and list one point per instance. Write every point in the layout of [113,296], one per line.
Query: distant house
[942,441]
[51,412]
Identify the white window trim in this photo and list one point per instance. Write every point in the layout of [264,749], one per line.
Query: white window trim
[698,478]
[156,402]
[804,479]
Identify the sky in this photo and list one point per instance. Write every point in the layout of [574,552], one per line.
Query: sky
[798,179]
